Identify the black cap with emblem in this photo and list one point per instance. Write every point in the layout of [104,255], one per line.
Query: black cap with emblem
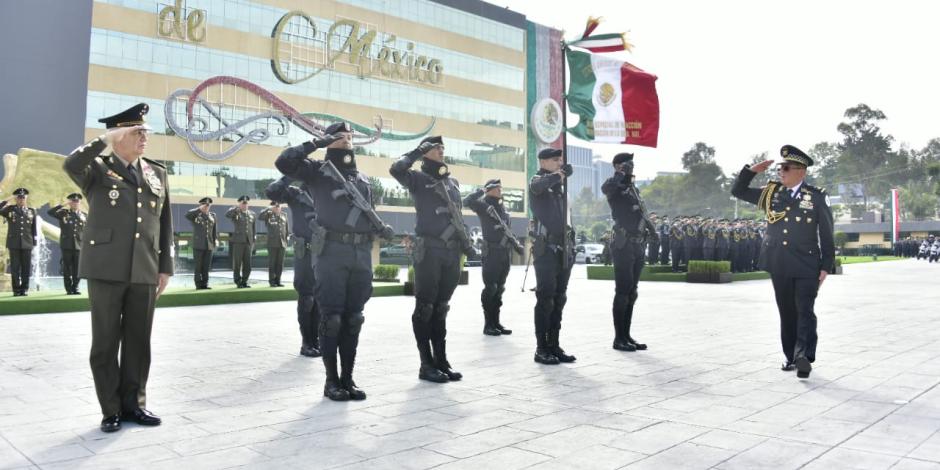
[434,139]
[338,127]
[74,197]
[244,199]
[795,155]
[133,116]
[493,184]
[549,153]
[20,192]
[207,200]
[622,158]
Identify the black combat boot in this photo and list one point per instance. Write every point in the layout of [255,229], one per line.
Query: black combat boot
[347,354]
[620,340]
[499,326]
[332,389]
[489,325]
[556,349]
[428,370]
[440,360]
[543,355]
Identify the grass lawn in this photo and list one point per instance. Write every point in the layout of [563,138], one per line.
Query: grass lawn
[866,259]
[662,274]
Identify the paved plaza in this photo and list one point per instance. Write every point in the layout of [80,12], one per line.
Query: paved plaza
[233,392]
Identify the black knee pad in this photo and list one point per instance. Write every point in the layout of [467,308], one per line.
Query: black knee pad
[560,301]
[633,296]
[331,325]
[354,323]
[545,304]
[423,313]
[441,310]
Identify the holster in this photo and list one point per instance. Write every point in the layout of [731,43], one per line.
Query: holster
[418,250]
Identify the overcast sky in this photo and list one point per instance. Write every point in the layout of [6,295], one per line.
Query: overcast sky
[749,76]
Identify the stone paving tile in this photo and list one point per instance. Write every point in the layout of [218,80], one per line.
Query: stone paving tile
[234,393]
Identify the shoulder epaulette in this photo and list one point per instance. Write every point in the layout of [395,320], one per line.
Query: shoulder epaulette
[154,163]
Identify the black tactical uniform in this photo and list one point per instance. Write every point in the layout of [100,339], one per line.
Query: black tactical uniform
[22,235]
[553,246]
[797,246]
[205,239]
[303,214]
[631,229]
[343,253]
[241,242]
[71,226]
[276,223]
[440,238]
[497,254]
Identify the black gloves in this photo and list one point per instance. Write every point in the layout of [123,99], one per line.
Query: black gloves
[326,140]
[567,169]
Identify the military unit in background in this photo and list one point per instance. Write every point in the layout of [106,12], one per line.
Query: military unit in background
[928,249]
[71,226]
[689,238]
[22,236]
[205,240]
[276,222]
[242,241]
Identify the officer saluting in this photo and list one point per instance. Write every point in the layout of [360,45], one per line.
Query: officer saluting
[71,225]
[554,254]
[797,250]
[242,241]
[127,259]
[205,239]
[22,234]
[497,257]
[632,228]
[440,238]
[276,222]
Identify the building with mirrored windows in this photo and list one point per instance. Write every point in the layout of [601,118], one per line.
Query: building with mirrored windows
[231,83]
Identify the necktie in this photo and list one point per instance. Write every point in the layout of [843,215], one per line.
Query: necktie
[131,170]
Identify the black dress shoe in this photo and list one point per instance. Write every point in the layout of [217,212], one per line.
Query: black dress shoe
[788,367]
[803,367]
[432,374]
[621,344]
[502,329]
[448,371]
[544,356]
[334,391]
[562,356]
[111,423]
[491,331]
[354,392]
[142,417]
[639,346]
[76,293]
[309,351]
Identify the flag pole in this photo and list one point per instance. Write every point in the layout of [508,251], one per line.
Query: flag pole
[564,137]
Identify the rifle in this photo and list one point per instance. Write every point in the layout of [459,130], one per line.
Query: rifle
[359,203]
[516,245]
[456,220]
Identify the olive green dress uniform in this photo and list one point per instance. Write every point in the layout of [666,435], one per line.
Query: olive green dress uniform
[127,244]
[205,239]
[277,243]
[71,226]
[22,234]
[242,243]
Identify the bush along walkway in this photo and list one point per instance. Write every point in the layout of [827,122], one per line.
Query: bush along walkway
[703,269]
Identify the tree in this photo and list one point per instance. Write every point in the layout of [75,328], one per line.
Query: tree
[866,156]
[587,209]
[598,230]
[825,167]
[699,154]
[840,238]
[917,201]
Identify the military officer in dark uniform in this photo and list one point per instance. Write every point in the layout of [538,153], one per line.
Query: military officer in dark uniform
[554,254]
[797,250]
[276,222]
[71,225]
[126,258]
[652,244]
[242,241]
[205,239]
[343,253]
[303,220]
[632,228]
[709,240]
[22,235]
[677,243]
[497,252]
[441,237]
[663,231]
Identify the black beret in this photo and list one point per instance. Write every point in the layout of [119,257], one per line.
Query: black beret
[20,192]
[205,200]
[244,199]
[133,116]
[795,155]
[74,197]
[622,157]
[549,153]
[337,127]
[493,183]
[434,139]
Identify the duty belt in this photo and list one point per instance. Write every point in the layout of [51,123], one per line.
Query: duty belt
[549,238]
[633,237]
[349,238]
[438,243]
[301,241]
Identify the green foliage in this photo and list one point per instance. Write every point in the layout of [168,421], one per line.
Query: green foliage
[385,273]
[598,229]
[840,238]
[698,266]
[587,209]
[411,274]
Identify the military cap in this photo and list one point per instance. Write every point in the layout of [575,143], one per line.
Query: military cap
[244,199]
[133,116]
[74,197]
[20,192]
[622,157]
[795,155]
[434,139]
[493,183]
[274,203]
[338,127]
[545,154]
[207,200]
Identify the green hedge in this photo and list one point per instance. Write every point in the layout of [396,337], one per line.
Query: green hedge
[698,266]
[606,273]
[386,273]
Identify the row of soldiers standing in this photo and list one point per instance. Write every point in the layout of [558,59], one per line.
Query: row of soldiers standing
[689,238]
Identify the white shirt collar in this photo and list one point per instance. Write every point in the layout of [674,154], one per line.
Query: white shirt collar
[795,188]
[127,163]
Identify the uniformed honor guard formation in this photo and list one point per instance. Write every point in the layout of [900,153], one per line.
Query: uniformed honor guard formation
[242,241]
[22,235]
[441,237]
[71,226]
[798,249]
[691,238]
[553,248]
[341,248]
[498,245]
[276,222]
[632,229]
[205,240]
[126,258]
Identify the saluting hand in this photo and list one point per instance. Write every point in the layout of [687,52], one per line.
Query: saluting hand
[162,283]
[762,166]
[117,134]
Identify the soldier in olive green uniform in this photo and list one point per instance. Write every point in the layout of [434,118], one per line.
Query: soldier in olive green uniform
[276,221]
[242,241]
[127,259]
[205,239]
[22,234]
[71,225]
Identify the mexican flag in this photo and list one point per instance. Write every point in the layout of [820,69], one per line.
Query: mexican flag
[617,102]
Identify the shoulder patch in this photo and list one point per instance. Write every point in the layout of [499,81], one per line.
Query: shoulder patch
[454,180]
